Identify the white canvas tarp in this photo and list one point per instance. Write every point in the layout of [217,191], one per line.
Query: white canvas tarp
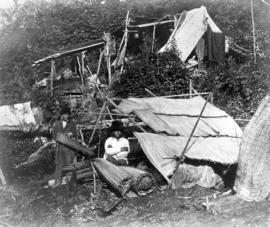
[161,150]
[16,116]
[178,116]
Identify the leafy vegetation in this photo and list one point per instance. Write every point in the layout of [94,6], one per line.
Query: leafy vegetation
[32,30]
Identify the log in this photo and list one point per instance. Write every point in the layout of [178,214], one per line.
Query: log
[123,178]
[84,175]
[80,174]
[73,144]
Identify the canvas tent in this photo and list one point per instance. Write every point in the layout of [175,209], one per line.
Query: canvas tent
[216,139]
[195,29]
[253,171]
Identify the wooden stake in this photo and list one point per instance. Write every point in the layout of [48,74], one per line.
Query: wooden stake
[253,31]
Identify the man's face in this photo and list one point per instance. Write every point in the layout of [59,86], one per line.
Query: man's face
[65,117]
[117,133]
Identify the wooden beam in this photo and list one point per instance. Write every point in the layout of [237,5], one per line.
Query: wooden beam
[172,96]
[59,54]
[151,24]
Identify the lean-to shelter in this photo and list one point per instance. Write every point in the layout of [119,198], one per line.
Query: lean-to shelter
[216,139]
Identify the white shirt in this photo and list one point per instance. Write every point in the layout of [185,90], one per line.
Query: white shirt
[113,148]
[64,124]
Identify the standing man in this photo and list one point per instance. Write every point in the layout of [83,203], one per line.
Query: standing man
[116,146]
[64,155]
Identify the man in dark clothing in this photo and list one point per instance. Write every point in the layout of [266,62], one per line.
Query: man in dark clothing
[64,155]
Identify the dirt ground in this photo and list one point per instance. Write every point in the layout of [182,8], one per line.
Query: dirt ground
[25,204]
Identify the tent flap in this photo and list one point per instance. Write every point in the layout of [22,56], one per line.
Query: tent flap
[161,149]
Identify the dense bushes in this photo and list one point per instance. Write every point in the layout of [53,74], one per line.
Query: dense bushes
[163,75]
[33,30]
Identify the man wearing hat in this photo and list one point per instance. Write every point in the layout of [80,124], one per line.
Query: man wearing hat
[63,155]
[116,146]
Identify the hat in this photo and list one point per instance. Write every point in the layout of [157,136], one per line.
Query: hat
[117,126]
[65,110]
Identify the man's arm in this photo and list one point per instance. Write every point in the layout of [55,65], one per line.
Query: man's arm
[109,149]
[125,146]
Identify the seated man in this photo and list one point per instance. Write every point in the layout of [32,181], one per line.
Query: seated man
[64,155]
[116,146]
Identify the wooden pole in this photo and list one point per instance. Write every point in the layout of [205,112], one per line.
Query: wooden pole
[154,38]
[52,74]
[126,40]
[253,31]
[80,70]
[82,67]
[150,92]
[94,176]
[103,108]
[99,136]
[109,69]
[181,156]
[99,61]
[109,112]
[190,88]
[81,134]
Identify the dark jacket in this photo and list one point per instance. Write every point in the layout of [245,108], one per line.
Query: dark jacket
[58,128]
